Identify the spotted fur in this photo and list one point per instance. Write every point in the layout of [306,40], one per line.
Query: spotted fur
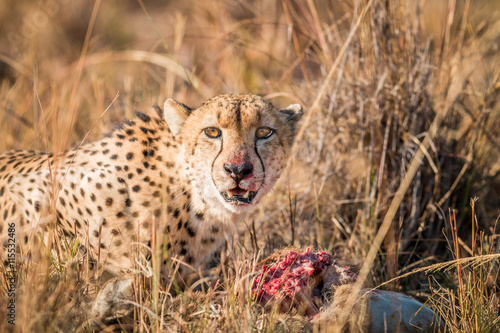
[157,173]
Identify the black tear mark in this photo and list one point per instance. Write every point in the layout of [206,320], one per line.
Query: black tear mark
[215,159]
[261,163]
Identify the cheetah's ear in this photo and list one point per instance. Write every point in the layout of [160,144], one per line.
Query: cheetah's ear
[293,112]
[175,114]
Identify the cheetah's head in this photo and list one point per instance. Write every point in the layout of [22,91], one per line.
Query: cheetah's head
[235,146]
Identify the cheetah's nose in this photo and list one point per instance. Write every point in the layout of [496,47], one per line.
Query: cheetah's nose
[238,171]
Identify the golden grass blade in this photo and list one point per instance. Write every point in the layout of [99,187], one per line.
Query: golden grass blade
[153,58]
[326,83]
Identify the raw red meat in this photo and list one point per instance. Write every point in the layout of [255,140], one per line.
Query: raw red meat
[298,280]
[305,282]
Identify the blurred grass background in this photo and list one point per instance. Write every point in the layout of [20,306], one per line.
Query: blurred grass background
[371,76]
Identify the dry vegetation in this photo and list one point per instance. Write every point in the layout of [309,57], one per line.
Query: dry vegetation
[382,82]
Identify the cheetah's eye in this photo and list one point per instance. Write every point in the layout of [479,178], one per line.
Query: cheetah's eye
[264,132]
[212,132]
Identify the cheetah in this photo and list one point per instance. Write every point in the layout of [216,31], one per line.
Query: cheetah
[188,175]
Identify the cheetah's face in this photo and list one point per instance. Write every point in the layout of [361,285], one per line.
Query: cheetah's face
[235,146]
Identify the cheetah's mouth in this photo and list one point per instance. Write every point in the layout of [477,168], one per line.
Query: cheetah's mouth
[238,196]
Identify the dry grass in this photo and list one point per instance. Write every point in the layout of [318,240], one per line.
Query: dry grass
[384,83]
